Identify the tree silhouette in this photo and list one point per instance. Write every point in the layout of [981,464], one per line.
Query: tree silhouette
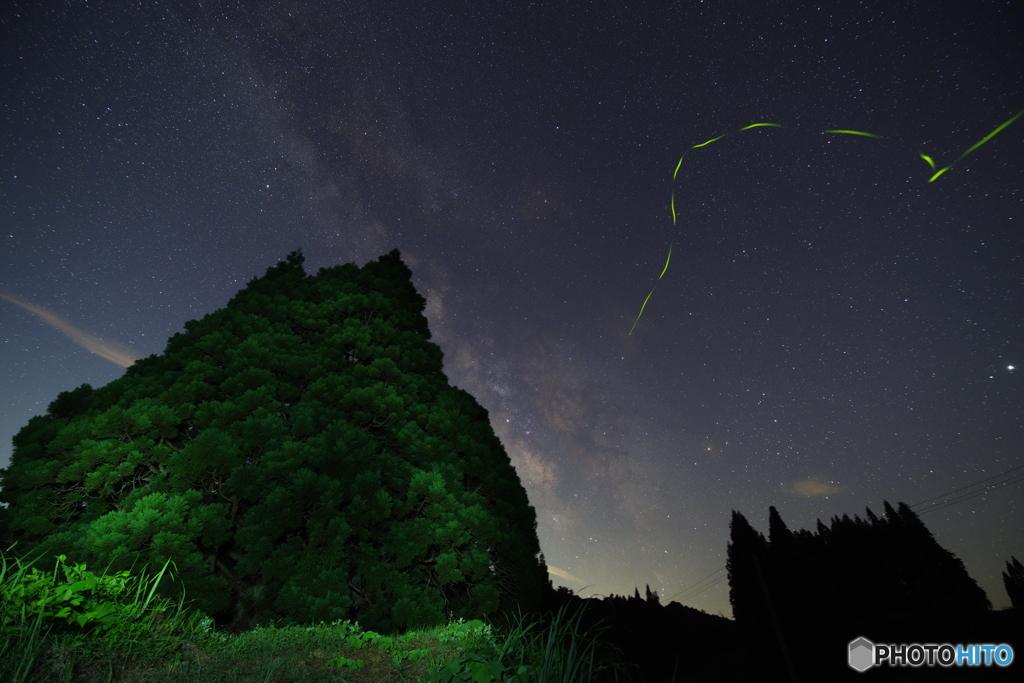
[298,454]
[1013,580]
[746,549]
[879,575]
[755,591]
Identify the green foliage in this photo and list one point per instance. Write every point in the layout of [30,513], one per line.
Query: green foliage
[299,455]
[346,663]
[479,668]
[357,639]
[561,652]
[154,640]
[82,599]
[84,612]
[480,663]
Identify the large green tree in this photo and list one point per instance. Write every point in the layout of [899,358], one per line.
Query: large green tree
[298,454]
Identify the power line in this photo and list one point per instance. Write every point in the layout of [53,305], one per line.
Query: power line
[962,488]
[970,491]
[708,587]
[699,583]
[973,494]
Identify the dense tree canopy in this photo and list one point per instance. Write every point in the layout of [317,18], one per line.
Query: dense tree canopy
[298,454]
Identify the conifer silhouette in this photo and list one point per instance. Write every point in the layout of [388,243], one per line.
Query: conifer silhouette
[1013,580]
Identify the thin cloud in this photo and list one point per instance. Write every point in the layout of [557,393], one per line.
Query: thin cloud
[104,349]
[562,574]
[812,487]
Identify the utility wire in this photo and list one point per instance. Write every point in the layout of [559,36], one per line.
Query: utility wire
[966,492]
[708,587]
[699,583]
[963,488]
[973,494]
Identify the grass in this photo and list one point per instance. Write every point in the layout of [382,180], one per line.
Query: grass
[110,628]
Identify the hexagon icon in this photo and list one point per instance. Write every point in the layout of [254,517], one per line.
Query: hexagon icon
[862,654]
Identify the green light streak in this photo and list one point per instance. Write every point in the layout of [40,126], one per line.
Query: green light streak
[667,259]
[854,132]
[839,131]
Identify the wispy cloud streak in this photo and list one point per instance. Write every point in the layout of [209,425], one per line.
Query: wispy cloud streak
[562,574]
[104,349]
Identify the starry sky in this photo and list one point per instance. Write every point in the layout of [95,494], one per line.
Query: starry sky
[832,329]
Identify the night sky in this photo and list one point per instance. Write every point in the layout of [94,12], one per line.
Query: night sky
[832,330]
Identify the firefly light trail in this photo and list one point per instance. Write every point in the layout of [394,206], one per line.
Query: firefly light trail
[841,131]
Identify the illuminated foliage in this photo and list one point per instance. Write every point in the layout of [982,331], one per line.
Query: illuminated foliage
[298,454]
